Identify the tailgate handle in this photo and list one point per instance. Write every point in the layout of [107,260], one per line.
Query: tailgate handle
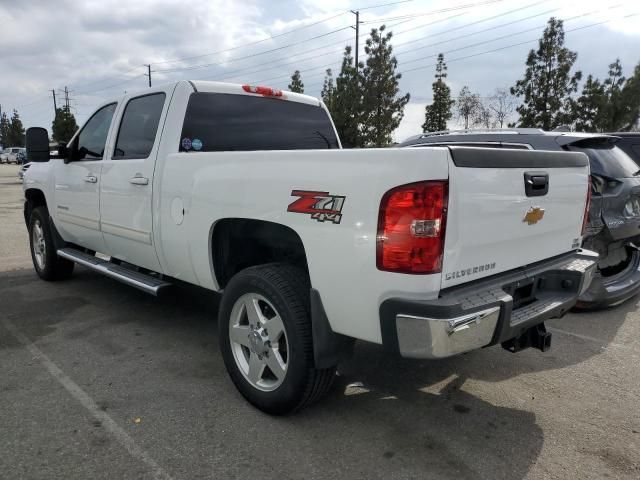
[536,184]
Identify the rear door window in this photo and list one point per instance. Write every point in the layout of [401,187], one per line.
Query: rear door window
[139,127]
[217,122]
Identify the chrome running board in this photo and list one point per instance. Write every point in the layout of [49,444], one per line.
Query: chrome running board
[142,281]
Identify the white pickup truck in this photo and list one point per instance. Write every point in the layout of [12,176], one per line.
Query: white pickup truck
[244,190]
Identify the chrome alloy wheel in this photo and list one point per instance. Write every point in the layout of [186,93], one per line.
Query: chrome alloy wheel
[38,244]
[258,342]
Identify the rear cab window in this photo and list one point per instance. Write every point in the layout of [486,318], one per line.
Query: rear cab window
[216,122]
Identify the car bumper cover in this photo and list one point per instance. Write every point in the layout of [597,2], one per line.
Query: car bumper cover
[487,311]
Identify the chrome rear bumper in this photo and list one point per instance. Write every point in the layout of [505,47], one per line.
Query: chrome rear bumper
[486,312]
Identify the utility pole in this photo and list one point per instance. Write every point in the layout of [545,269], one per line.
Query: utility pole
[55,105]
[66,97]
[357,27]
[149,73]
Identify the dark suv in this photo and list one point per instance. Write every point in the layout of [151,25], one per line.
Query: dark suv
[614,216]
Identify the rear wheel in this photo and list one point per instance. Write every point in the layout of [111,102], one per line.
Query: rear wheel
[266,341]
[46,262]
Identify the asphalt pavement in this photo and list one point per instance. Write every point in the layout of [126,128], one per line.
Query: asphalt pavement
[99,380]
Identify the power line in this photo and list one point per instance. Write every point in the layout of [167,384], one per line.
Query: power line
[271,37]
[502,37]
[432,12]
[477,22]
[419,39]
[514,45]
[197,67]
[207,65]
[342,42]
[383,5]
[250,43]
[456,49]
[89,92]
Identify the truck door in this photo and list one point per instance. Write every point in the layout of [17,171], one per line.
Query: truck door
[126,216]
[77,182]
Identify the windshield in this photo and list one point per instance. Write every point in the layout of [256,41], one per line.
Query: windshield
[609,162]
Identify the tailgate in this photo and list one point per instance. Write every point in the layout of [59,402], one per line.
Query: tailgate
[495,224]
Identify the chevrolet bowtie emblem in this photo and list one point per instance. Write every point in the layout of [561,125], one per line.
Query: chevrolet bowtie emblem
[533,215]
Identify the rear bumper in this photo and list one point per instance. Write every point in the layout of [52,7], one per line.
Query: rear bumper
[488,311]
[607,292]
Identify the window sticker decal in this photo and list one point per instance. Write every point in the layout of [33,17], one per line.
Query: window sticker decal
[186,143]
[322,206]
[196,144]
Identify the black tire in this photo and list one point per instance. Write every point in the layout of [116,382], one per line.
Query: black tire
[286,288]
[49,266]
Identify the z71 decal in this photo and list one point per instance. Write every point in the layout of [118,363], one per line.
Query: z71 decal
[320,205]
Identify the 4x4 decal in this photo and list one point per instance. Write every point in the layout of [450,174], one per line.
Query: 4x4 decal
[320,205]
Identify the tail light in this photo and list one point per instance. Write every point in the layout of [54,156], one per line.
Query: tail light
[411,226]
[266,91]
[585,220]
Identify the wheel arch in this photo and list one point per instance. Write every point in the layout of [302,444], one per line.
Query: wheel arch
[34,197]
[237,243]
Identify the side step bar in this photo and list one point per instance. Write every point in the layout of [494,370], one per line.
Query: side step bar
[142,281]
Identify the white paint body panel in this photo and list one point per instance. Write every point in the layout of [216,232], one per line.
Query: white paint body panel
[75,204]
[192,191]
[486,226]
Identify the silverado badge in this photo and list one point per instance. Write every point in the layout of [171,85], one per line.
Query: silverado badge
[533,215]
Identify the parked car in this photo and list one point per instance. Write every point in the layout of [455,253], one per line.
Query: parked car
[13,155]
[23,169]
[629,142]
[614,217]
[244,190]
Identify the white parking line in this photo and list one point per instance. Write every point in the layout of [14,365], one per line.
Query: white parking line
[87,402]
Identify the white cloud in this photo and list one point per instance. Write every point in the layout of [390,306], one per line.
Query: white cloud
[90,45]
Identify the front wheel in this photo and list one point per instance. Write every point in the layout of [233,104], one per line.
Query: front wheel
[46,262]
[266,340]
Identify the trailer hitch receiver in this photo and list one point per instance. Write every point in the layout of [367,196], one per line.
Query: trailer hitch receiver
[536,337]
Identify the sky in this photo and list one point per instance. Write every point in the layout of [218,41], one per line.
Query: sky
[99,49]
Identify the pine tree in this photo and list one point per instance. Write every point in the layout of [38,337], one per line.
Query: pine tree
[630,99]
[346,103]
[548,83]
[437,114]
[590,105]
[64,125]
[613,111]
[382,108]
[468,106]
[328,89]
[15,137]
[4,130]
[296,84]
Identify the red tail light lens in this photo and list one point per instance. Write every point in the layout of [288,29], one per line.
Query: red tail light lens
[585,220]
[411,227]
[266,91]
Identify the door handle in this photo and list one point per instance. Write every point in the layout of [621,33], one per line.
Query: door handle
[139,180]
[91,179]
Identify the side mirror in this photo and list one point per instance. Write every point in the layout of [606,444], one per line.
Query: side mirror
[37,140]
